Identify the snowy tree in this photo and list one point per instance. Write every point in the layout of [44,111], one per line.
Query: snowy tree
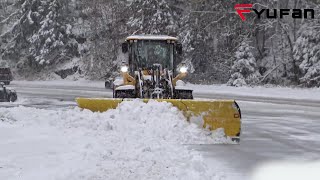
[152,17]
[244,70]
[210,35]
[13,38]
[49,43]
[307,51]
[42,32]
[38,36]
[107,31]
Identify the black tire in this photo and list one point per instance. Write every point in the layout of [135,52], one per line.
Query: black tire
[107,85]
[124,94]
[238,107]
[183,94]
[13,97]
[236,139]
[7,83]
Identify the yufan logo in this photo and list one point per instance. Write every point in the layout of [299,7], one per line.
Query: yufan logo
[273,13]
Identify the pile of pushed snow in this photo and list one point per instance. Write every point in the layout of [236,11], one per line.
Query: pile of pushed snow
[135,141]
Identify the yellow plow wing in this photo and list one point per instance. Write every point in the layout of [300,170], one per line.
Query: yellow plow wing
[214,113]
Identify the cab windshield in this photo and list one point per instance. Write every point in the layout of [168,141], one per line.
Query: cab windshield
[150,52]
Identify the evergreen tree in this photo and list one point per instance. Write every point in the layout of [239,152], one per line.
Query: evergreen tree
[244,70]
[41,33]
[307,51]
[42,36]
[49,41]
[152,17]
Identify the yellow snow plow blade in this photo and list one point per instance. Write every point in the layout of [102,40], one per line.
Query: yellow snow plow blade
[215,114]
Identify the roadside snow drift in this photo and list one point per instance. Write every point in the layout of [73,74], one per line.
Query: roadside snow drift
[287,170]
[135,141]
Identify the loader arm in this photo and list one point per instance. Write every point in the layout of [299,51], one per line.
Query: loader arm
[127,79]
[178,77]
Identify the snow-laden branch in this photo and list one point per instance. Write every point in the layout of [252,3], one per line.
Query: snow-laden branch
[260,5]
[265,76]
[214,22]
[9,17]
[13,27]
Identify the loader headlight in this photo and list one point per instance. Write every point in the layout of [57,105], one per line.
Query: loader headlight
[124,69]
[183,69]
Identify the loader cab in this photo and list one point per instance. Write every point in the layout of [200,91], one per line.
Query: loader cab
[144,51]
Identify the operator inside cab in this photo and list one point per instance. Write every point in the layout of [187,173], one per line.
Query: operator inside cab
[149,53]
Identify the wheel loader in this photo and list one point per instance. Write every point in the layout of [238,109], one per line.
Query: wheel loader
[153,70]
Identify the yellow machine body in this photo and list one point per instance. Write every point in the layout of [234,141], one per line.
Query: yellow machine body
[214,113]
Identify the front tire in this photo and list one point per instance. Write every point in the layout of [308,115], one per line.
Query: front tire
[183,94]
[108,85]
[124,94]
[13,97]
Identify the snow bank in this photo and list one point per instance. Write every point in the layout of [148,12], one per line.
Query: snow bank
[259,91]
[287,170]
[134,141]
[64,83]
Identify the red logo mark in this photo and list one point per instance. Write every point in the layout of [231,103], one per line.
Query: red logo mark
[243,8]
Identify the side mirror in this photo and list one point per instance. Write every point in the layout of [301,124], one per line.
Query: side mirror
[125,47]
[179,48]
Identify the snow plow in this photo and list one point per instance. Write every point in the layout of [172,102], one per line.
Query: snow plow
[153,71]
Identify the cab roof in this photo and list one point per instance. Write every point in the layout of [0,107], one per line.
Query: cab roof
[151,37]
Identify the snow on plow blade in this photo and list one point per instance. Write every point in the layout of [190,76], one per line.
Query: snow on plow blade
[215,114]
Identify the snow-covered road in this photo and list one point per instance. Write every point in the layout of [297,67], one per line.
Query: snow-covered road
[271,132]
[275,127]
